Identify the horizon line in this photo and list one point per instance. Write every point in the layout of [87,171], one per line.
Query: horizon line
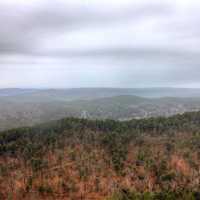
[70,88]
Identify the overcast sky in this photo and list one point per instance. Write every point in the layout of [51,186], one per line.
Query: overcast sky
[99,43]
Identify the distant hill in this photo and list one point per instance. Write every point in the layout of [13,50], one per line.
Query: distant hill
[129,107]
[15,92]
[19,107]
[95,93]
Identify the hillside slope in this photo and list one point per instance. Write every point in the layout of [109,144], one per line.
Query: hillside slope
[20,111]
[156,158]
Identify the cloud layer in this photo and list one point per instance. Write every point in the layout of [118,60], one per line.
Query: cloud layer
[116,43]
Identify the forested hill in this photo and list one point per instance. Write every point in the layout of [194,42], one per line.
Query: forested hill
[155,158]
[182,122]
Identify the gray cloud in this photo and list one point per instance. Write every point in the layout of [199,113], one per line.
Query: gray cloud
[24,26]
[132,43]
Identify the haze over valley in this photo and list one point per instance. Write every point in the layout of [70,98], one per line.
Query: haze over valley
[26,107]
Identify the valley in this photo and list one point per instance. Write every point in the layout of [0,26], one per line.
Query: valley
[27,107]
